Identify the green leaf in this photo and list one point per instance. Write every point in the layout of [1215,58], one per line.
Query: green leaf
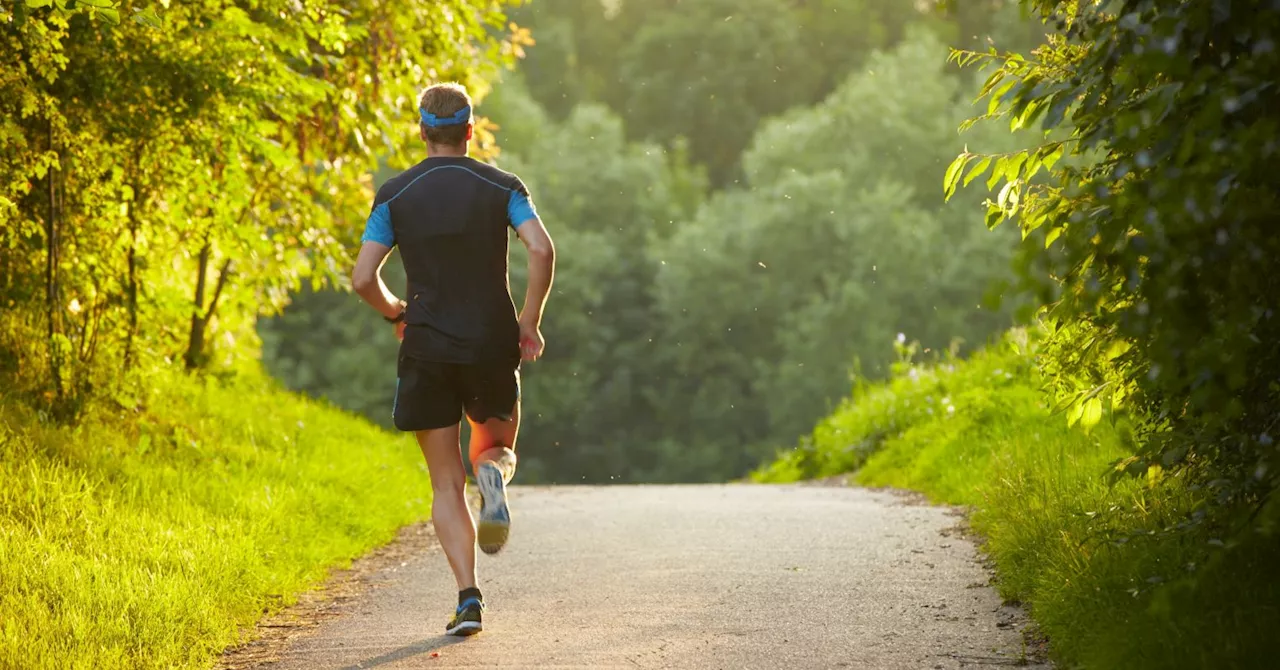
[1050,159]
[998,172]
[1063,405]
[1074,414]
[99,4]
[952,178]
[111,16]
[977,170]
[994,217]
[37,4]
[1117,348]
[1013,169]
[1057,110]
[1053,234]
[997,96]
[1003,199]
[1091,412]
[1187,147]
[1034,218]
[1026,116]
[989,85]
[147,17]
[1015,196]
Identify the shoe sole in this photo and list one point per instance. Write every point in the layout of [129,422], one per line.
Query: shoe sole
[465,629]
[495,517]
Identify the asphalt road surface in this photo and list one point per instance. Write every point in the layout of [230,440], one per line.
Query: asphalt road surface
[732,576]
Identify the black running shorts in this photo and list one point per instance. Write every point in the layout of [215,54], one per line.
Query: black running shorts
[434,395]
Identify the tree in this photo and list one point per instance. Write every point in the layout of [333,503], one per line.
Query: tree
[710,71]
[166,179]
[774,291]
[1155,228]
[576,57]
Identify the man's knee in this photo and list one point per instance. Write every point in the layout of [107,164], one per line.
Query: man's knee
[453,488]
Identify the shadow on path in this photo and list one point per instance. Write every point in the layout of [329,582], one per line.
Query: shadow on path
[967,660]
[407,651]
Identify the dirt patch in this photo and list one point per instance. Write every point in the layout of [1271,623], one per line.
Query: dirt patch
[274,633]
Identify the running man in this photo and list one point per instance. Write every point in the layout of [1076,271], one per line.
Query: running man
[461,339]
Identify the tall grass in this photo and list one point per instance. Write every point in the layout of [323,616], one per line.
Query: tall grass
[1114,574]
[148,538]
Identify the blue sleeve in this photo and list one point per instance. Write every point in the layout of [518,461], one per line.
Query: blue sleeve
[520,208]
[378,227]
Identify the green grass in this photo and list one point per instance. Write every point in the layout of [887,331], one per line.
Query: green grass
[150,538]
[1100,568]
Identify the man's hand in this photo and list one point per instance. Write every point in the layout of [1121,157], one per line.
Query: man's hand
[542,263]
[400,331]
[531,342]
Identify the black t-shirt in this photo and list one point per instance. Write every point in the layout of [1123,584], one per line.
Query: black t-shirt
[451,218]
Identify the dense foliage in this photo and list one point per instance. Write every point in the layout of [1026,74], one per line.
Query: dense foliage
[710,71]
[167,178]
[1155,236]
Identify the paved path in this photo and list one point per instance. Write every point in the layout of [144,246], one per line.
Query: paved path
[735,576]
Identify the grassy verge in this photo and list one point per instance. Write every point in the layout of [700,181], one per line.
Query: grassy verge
[1107,571]
[148,539]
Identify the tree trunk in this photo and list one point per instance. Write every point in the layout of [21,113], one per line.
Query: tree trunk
[199,320]
[200,316]
[131,282]
[223,273]
[51,277]
[195,341]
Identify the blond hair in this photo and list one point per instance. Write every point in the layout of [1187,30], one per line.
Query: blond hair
[445,100]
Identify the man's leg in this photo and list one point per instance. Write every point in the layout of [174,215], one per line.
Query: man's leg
[493,459]
[450,514]
[495,441]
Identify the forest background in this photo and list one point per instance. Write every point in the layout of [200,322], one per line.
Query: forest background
[746,201]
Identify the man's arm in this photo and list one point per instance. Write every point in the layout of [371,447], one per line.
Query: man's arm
[542,262]
[366,279]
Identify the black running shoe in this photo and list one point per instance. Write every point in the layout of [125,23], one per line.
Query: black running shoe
[495,516]
[466,621]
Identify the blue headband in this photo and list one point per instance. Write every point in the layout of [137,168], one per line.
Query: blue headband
[458,118]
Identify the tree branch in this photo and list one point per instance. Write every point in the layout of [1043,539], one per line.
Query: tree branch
[217,289]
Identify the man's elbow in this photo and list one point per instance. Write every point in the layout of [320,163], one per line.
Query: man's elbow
[361,283]
[543,251]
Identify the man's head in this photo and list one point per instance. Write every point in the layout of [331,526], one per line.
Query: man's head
[445,116]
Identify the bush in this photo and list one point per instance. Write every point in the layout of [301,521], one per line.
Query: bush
[1154,237]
